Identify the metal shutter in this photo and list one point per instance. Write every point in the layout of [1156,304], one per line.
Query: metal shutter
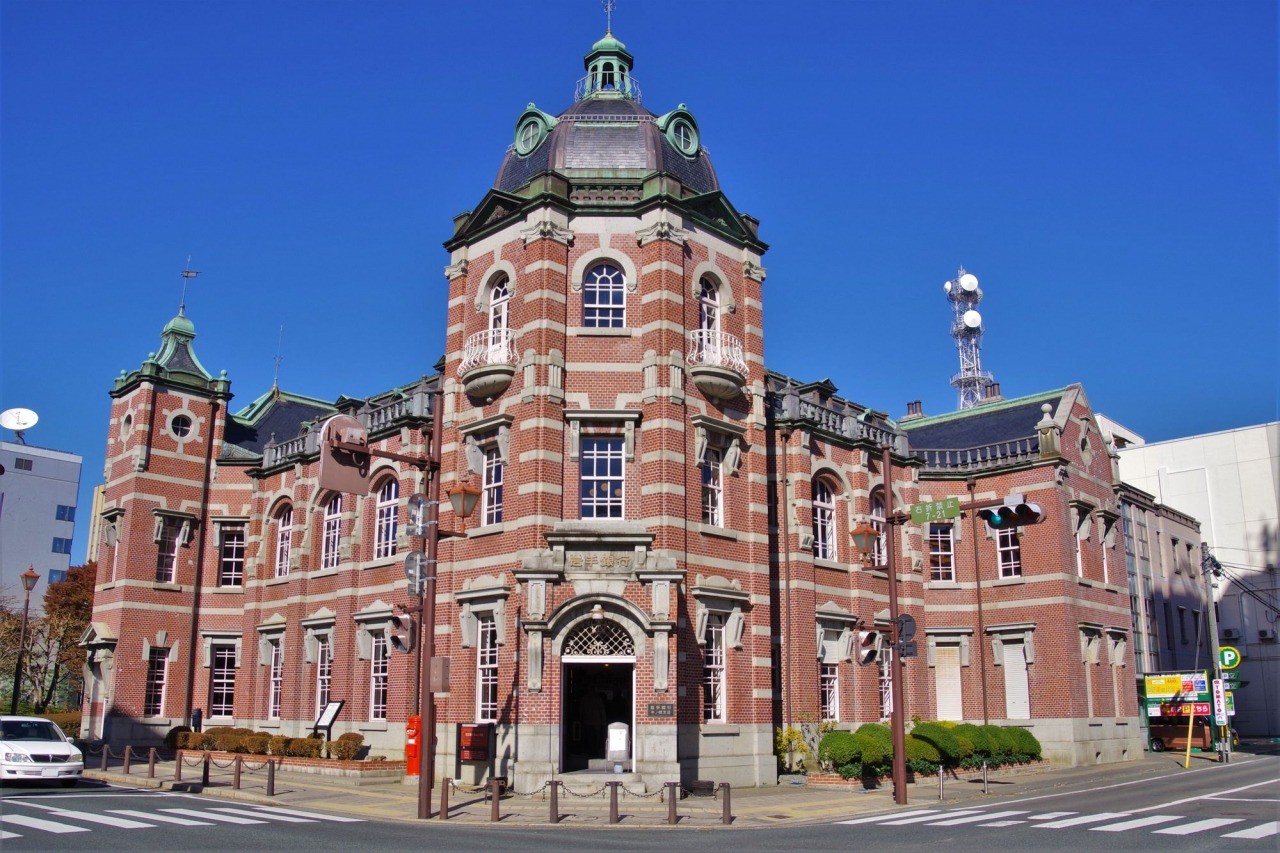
[946,674]
[1016,695]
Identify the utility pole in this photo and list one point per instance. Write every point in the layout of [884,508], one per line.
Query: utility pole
[1208,564]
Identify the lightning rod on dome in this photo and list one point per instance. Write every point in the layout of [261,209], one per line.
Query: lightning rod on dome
[972,383]
[187,273]
[609,6]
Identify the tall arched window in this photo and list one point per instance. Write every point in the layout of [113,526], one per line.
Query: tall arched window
[878,556]
[387,516]
[709,305]
[499,300]
[824,521]
[284,540]
[332,529]
[604,298]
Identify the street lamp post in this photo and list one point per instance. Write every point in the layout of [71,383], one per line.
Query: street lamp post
[29,580]
[864,538]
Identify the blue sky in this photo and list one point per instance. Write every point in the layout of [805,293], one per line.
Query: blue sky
[1108,170]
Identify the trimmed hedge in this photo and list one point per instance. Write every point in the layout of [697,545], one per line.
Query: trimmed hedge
[868,752]
[943,741]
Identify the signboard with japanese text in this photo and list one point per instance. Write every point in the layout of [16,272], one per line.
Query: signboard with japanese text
[923,513]
[1183,685]
[1219,703]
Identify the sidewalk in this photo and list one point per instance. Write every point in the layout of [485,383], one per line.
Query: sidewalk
[783,804]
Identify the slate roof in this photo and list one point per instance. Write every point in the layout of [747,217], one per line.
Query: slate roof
[623,135]
[989,423]
[275,413]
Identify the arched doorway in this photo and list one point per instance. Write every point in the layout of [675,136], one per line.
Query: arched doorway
[597,688]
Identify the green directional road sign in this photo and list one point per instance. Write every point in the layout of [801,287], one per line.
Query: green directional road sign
[923,513]
[1229,657]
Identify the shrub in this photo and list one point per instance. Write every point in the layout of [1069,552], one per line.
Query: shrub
[1024,743]
[225,739]
[851,771]
[876,753]
[278,744]
[256,743]
[68,721]
[836,749]
[304,747]
[978,737]
[1002,745]
[877,731]
[343,750]
[354,737]
[922,756]
[174,738]
[942,740]
[193,740]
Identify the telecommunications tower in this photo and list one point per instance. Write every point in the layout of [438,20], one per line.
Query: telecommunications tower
[966,328]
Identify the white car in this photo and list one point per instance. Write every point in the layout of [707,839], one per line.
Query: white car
[33,749]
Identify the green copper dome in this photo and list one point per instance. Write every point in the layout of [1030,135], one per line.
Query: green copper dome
[181,325]
[608,43]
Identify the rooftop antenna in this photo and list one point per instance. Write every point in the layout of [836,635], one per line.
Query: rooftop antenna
[964,295]
[609,6]
[187,273]
[275,382]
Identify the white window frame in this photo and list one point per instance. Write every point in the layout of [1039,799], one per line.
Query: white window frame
[222,679]
[714,688]
[491,495]
[284,540]
[596,451]
[275,679]
[884,671]
[604,297]
[157,677]
[324,670]
[486,667]
[1009,552]
[231,554]
[499,303]
[332,534]
[825,546]
[829,691]
[387,518]
[713,486]
[877,518]
[379,675]
[942,552]
[167,549]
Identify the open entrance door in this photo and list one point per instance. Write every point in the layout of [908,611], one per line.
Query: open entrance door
[594,695]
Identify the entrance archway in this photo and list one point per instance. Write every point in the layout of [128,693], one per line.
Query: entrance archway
[597,688]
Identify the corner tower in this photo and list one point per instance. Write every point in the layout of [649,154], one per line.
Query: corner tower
[604,370]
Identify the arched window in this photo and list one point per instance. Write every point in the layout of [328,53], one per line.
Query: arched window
[386,516]
[878,556]
[332,529]
[499,300]
[604,298]
[284,540]
[824,521]
[709,305]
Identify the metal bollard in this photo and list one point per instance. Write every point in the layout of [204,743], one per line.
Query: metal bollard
[445,785]
[613,801]
[271,778]
[235,778]
[727,816]
[151,763]
[673,794]
[555,800]
[984,777]
[106,750]
[128,753]
[494,787]
[204,771]
[177,766]
[940,783]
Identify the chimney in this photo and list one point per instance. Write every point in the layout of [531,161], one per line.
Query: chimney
[992,392]
[913,411]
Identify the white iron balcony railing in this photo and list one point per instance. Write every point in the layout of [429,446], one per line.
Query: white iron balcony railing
[596,84]
[713,348]
[490,347]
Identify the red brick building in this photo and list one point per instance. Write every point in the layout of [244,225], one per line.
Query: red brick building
[662,537]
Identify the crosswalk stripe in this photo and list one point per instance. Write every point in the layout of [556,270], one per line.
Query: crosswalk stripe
[317,815]
[1003,823]
[283,818]
[225,818]
[1077,821]
[1262,830]
[1050,815]
[883,816]
[91,817]
[162,818]
[906,821]
[1198,826]
[975,818]
[6,834]
[1136,823]
[37,823]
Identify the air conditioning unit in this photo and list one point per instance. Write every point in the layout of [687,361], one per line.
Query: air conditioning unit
[1230,633]
[1266,633]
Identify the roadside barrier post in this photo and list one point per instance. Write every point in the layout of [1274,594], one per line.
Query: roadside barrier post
[495,786]
[106,750]
[235,779]
[204,771]
[271,778]
[984,777]
[128,753]
[445,785]
[940,782]
[151,763]
[673,794]
[555,800]
[177,766]
[727,816]
[613,801]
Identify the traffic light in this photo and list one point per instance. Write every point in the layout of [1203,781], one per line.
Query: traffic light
[403,632]
[868,647]
[1014,512]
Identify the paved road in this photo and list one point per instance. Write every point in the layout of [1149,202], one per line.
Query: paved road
[1125,807]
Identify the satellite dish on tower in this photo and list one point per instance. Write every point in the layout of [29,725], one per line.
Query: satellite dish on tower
[972,319]
[18,420]
[969,282]
[947,287]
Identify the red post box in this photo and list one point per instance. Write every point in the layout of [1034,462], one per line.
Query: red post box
[412,744]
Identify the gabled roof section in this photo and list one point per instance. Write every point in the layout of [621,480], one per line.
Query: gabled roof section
[714,210]
[494,208]
[986,423]
[277,413]
[175,364]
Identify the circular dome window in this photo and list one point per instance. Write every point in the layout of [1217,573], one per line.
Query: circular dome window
[180,426]
[682,134]
[529,135]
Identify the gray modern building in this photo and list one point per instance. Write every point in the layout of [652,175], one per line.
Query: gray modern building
[37,516]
